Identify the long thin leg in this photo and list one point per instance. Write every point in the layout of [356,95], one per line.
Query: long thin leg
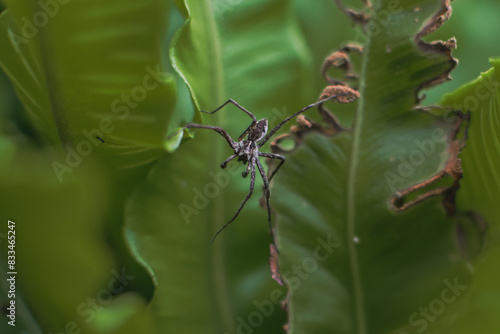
[240,107]
[247,130]
[277,127]
[236,104]
[224,164]
[252,184]
[273,156]
[245,173]
[220,131]
[268,204]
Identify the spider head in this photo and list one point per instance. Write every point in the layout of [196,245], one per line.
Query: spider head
[258,131]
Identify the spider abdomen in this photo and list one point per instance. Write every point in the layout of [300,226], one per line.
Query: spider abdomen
[258,131]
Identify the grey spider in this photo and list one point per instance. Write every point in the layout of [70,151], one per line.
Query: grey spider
[247,150]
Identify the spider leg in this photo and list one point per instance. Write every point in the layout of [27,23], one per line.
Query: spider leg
[220,131]
[283,122]
[252,184]
[240,107]
[247,130]
[236,104]
[224,164]
[245,173]
[273,156]
[268,204]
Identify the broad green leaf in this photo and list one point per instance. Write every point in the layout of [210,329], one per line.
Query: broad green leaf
[90,70]
[351,263]
[87,69]
[480,191]
[205,53]
[6,97]
[61,265]
[480,157]
[219,288]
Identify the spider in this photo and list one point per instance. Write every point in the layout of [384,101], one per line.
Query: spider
[247,150]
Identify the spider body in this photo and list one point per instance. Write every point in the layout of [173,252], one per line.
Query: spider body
[248,148]
[258,131]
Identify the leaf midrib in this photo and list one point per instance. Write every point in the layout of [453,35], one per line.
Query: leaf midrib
[360,318]
[218,266]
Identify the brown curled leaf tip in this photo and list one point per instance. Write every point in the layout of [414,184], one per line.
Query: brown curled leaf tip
[444,47]
[340,60]
[352,47]
[356,17]
[304,121]
[453,169]
[274,265]
[344,94]
[442,15]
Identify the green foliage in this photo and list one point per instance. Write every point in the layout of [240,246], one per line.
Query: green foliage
[113,230]
[480,157]
[375,255]
[70,76]
[479,193]
[187,197]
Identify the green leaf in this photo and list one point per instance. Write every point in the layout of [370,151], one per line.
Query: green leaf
[92,84]
[479,193]
[351,263]
[480,157]
[187,197]
[85,70]
[57,229]
[206,53]
[56,247]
